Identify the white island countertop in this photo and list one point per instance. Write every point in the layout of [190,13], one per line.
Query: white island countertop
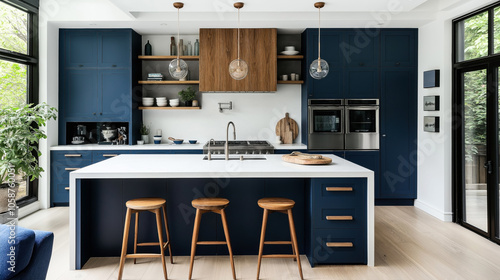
[193,166]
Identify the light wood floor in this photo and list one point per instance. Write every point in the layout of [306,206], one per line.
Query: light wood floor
[410,244]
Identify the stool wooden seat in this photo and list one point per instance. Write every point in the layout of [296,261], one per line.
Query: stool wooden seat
[205,205]
[281,205]
[154,205]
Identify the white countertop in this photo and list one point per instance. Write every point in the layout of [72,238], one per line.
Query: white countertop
[184,146]
[193,166]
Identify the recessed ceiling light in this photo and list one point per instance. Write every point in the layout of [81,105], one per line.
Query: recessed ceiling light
[93,24]
[163,24]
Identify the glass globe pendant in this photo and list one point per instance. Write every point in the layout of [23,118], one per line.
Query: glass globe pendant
[238,68]
[319,68]
[178,68]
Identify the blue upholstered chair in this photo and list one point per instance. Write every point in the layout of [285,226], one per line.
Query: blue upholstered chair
[31,257]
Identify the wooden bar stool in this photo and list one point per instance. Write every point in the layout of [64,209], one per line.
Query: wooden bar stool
[204,205]
[281,205]
[136,206]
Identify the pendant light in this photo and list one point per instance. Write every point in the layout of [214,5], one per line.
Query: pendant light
[178,68]
[238,68]
[319,68]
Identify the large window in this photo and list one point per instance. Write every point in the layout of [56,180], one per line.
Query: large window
[19,67]
[476,135]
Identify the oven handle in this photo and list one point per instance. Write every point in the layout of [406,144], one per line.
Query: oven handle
[324,108]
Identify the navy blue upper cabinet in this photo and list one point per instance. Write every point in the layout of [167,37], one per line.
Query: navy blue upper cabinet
[398,130]
[398,47]
[361,82]
[360,49]
[115,49]
[80,95]
[79,48]
[114,98]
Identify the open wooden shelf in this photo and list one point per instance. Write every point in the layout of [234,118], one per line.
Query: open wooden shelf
[169,82]
[168,57]
[290,82]
[168,108]
[299,56]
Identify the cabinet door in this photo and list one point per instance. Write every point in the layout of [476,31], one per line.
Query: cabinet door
[79,95]
[361,83]
[115,48]
[331,86]
[80,48]
[114,100]
[258,49]
[398,128]
[398,48]
[360,50]
[367,159]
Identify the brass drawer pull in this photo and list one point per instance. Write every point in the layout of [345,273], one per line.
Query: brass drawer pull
[71,168]
[66,188]
[73,155]
[339,244]
[339,218]
[339,189]
[109,155]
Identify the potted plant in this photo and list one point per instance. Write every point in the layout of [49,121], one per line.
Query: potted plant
[188,95]
[144,130]
[19,136]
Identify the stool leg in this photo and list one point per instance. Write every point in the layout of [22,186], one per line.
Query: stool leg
[228,240]
[196,230]
[160,240]
[124,244]
[135,234]
[168,234]
[262,237]
[294,241]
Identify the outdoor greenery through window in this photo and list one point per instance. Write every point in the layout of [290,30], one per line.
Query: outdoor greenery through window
[17,62]
[472,37]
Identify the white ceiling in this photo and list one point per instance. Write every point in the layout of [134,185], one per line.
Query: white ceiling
[160,17]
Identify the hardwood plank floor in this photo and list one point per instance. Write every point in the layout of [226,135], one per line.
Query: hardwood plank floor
[410,244]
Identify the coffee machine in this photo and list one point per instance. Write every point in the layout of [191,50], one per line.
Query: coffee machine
[81,134]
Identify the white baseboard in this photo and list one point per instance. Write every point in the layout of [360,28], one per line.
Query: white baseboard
[29,209]
[443,216]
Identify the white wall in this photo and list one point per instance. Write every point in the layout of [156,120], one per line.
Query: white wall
[435,149]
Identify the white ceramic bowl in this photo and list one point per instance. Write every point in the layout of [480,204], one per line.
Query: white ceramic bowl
[161,104]
[161,99]
[174,105]
[174,100]
[148,99]
[289,48]
[147,104]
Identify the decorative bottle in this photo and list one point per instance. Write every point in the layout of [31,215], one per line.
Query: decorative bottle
[181,47]
[172,46]
[196,47]
[148,49]
[189,48]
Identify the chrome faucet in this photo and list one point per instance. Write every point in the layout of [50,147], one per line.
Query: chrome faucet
[226,147]
[209,156]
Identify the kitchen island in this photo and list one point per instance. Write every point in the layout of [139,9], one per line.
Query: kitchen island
[342,189]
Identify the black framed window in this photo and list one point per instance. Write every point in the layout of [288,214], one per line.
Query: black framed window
[19,68]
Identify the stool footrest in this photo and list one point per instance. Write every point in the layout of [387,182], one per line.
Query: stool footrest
[279,256]
[211,243]
[152,244]
[138,256]
[278,242]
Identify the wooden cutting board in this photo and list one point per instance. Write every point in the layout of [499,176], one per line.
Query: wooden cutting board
[306,159]
[287,129]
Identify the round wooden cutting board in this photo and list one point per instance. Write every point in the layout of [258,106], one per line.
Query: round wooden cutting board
[288,129]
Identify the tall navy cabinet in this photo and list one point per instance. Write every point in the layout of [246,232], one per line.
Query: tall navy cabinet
[99,71]
[375,63]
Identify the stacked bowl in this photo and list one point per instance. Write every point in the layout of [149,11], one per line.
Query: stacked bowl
[148,101]
[174,102]
[161,101]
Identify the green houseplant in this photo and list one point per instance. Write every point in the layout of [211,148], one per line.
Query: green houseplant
[19,135]
[144,131]
[187,95]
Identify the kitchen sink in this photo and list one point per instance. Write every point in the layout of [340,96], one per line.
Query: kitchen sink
[237,158]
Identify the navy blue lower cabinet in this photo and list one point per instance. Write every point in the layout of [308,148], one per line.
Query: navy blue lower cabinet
[370,160]
[336,224]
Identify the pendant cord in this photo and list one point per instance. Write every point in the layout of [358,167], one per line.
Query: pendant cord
[238,36]
[178,39]
[319,35]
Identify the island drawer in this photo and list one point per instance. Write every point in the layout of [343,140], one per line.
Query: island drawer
[338,246]
[334,217]
[338,193]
